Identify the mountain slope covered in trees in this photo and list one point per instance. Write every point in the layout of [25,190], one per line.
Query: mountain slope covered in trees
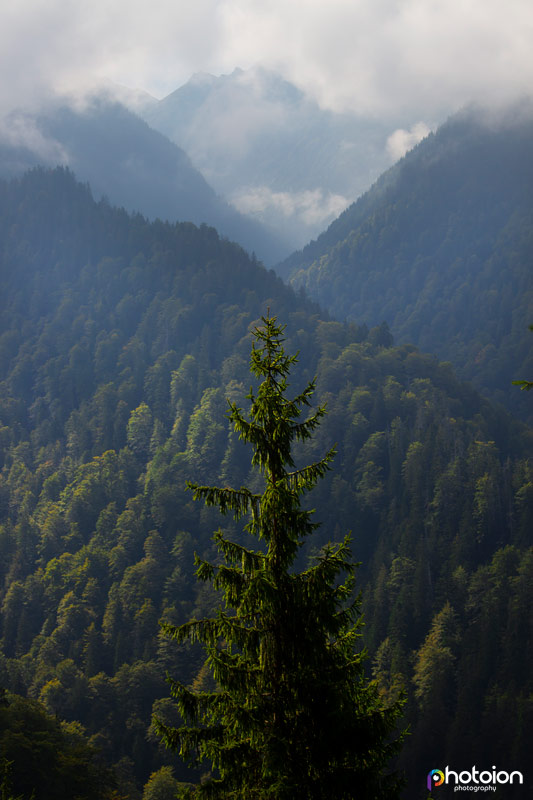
[120,341]
[441,248]
[128,162]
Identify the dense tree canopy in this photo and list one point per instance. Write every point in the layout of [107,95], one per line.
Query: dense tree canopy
[41,757]
[119,342]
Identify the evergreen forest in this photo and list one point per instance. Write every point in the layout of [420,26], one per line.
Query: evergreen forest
[121,340]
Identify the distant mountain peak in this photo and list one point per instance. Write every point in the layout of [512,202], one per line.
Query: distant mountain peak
[200,79]
[271,150]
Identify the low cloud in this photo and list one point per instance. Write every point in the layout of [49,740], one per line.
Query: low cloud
[18,129]
[312,207]
[401,140]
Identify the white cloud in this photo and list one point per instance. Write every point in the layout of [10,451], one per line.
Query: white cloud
[312,207]
[20,130]
[381,56]
[418,58]
[401,140]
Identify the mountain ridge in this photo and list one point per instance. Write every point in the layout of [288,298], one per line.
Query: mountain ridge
[428,246]
[134,166]
[271,149]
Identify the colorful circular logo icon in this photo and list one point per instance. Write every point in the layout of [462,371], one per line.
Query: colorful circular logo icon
[435,778]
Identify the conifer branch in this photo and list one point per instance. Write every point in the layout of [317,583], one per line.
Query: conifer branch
[240,501]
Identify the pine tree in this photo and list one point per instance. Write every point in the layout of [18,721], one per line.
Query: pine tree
[293,715]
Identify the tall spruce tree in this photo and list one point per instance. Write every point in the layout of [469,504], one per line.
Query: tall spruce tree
[293,715]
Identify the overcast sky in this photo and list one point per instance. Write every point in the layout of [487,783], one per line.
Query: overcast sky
[423,58]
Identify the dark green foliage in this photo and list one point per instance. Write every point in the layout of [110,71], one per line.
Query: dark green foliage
[45,759]
[292,714]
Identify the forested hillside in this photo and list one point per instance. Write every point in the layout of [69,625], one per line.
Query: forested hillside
[441,248]
[129,163]
[120,341]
